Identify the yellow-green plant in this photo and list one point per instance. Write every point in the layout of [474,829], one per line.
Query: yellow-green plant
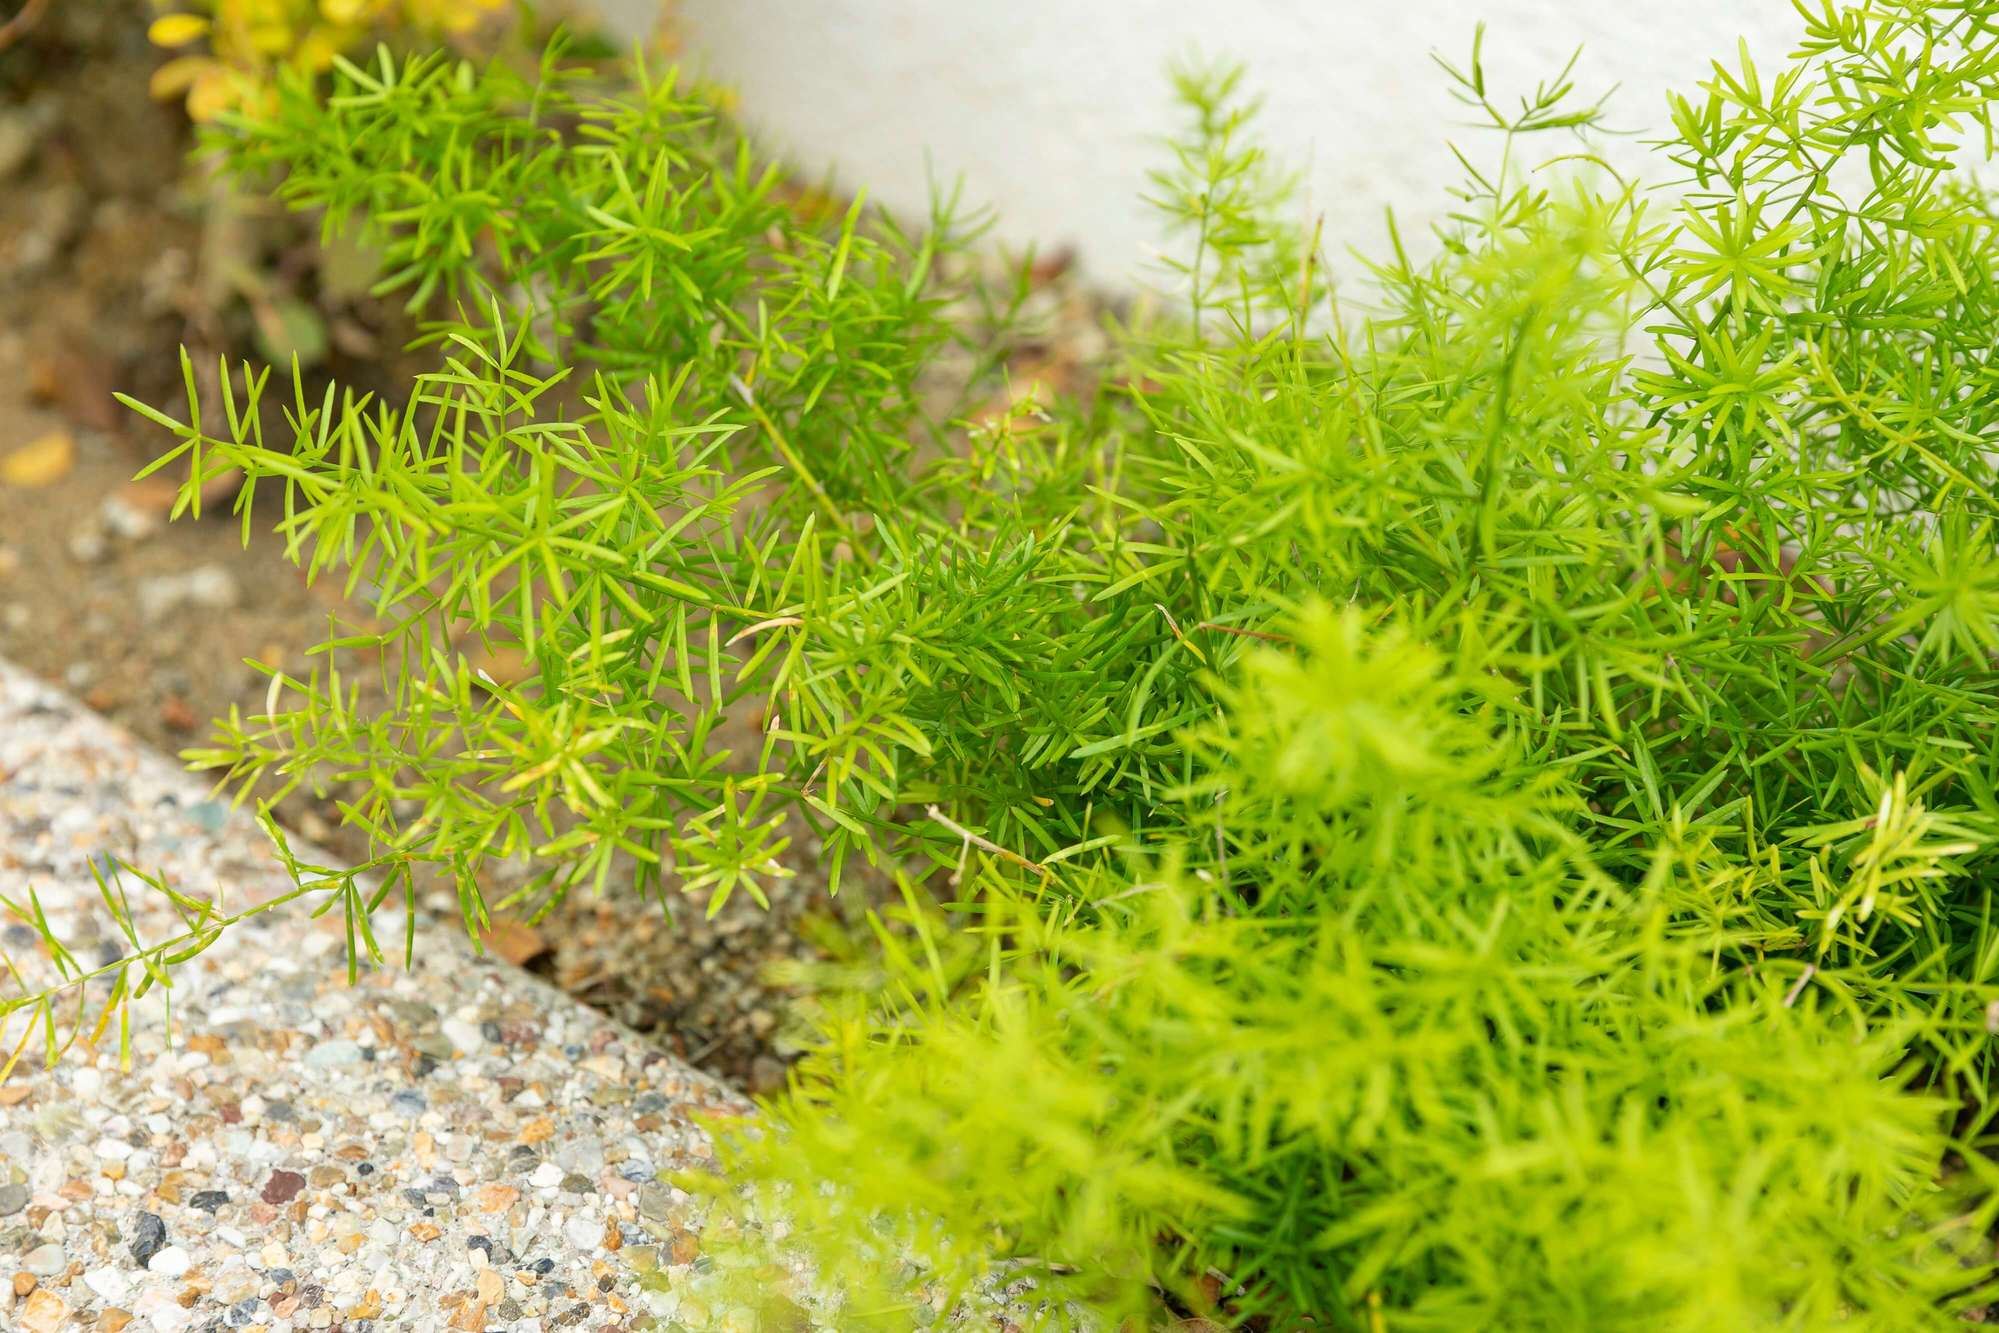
[1409,816]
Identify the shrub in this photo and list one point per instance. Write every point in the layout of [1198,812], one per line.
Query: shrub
[1468,811]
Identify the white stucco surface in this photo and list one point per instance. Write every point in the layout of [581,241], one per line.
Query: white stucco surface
[1050,109]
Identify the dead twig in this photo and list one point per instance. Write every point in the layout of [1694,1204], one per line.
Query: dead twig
[1798,986]
[986,844]
[14,29]
[1242,633]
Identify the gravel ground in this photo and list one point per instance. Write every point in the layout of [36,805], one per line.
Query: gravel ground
[456,1145]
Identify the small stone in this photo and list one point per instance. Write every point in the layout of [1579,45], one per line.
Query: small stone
[283,1187]
[162,1309]
[582,1233]
[328,1054]
[208,587]
[149,1233]
[23,1283]
[111,1319]
[325,1177]
[110,1283]
[576,1183]
[13,1198]
[655,1201]
[123,520]
[425,1231]
[209,817]
[44,1312]
[491,1286]
[208,1200]
[170,1262]
[43,1260]
[495,1198]
[87,545]
[546,1176]
[463,1035]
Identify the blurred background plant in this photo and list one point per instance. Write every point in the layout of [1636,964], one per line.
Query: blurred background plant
[248,41]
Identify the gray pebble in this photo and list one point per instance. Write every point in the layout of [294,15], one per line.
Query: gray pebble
[327,1054]
[13,1198]
[149,1237]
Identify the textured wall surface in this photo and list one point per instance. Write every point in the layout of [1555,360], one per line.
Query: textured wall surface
[1049,108]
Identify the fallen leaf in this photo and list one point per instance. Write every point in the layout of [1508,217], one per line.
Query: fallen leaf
[41,462]
[76,382]
[153,496]
[515,941]
[175,715]
[1047,268]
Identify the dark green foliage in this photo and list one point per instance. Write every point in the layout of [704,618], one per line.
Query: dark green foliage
[1471,811]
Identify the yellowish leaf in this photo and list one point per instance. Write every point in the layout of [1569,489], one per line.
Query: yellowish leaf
[315,53]
[212,92]
[172,30]
[178,75]
[41,462]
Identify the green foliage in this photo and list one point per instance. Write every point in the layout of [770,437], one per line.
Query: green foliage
[1473,811]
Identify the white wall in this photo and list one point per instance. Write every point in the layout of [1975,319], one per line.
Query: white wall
[1049,108]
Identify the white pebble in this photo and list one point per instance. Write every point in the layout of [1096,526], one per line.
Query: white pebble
[108,1283]
[546,1176]
[465,1036]
[170,1262]
[159,1308]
